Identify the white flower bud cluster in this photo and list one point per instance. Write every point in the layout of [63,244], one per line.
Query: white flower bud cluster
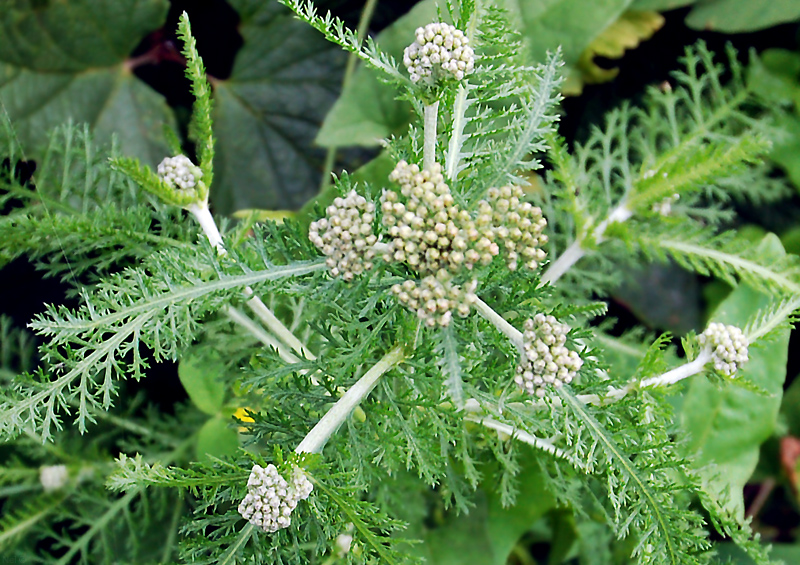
[546,361]
[729,347]
[270,498]
[439,45]
[435,298]
[429,232]
[519,226]
[179,172]
[53,477]
[345,235]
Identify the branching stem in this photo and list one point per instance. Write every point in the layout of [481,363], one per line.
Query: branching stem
[335,417]
[525,437]
[209,226]
[500,323]
[575,251]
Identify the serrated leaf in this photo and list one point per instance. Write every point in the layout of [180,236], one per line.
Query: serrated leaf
[728,424]
[216,438]
[66,61]
[737,16]
[201,376]
[266,115]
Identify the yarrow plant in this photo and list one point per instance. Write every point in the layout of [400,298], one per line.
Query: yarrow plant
[420,338]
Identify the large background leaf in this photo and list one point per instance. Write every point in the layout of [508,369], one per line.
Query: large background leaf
[730,16]
[266,115]
[66,61]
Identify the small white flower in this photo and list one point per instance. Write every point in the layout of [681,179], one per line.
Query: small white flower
[53,477]
[728,346]
[546,361]
[271,499]
[179,172]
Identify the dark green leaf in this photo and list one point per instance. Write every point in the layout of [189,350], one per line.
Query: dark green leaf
[66,61]
[267,113]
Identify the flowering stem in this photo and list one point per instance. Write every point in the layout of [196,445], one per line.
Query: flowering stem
[575,251]
[429,135]
[265,315]
[679,373]
[264,337]
[335,417]
[206,220]
[499,322]
[203,216]
[525,437]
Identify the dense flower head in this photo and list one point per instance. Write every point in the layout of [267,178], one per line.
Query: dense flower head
[728,347]
[179,172]
[546,361]
[439,46]
[345,235]
[271,499]
[518,226]
[428,231]
[436,298]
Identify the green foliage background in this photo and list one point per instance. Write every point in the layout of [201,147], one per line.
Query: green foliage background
[70,62]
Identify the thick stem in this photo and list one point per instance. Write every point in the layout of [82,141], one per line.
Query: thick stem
[500,323]
[206,220]
[525,437]
[575,251]
[679,373]
[203,216]
[264,337]
[429,136]
[565,261]
[335,417]
[276,326]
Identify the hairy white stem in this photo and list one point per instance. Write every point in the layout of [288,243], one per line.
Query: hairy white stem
[203,216]
[500,323]
[206,220]
[575,251]
[335,417]
[429,135]
[679,373]
[524,437]
[565,261]
[264,337]
[265,315]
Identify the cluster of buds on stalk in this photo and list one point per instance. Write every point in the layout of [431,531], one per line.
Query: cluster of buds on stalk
[179,173]
[436,238]
[440,51]
[728,347]
[271,499]
[345,235]
[546,361]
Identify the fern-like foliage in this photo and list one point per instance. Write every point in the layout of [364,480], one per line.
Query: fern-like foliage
[445,417]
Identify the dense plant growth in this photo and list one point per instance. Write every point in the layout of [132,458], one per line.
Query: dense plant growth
[413,353]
